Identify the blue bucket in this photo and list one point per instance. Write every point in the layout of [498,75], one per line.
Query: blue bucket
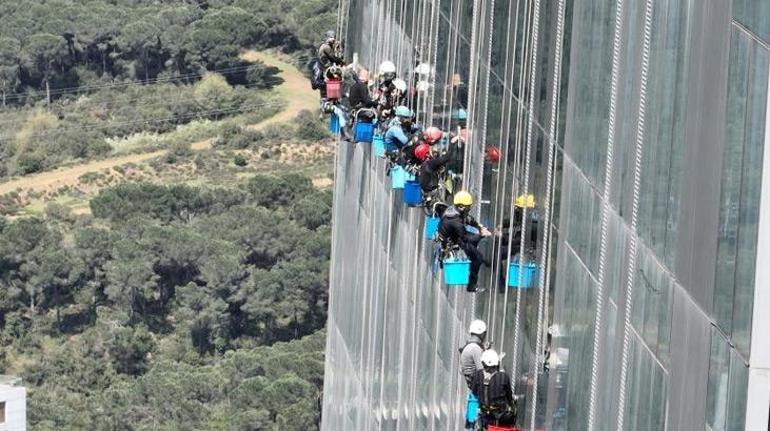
[364,132]
[412,193]
[398,177]
[431,226]
[457,272]
[529,273]
[334,124]
[379,146]
[472,409]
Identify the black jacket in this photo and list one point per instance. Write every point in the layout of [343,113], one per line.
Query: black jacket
[429,172]
[452,226]
[359,96]
[493,392]
[327,55]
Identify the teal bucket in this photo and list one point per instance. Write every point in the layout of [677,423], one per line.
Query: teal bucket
[379,146]
[472,409]
[528,274]
[398,177]
[431,227]
[334,124]
[457,272]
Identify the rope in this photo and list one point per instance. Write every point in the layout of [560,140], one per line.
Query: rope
[471,91]
[190,116]
[606,196]
[516,163]
[631,271]
[545,252]
[434,59]
[527,162]
[71,91]
[505,124]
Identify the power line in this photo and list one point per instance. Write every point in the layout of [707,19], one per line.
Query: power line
[89,87]
[115,103]
[239,109]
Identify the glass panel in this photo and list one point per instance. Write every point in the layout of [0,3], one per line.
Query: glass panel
[716,395]
[741,176]
[591,45]
[755,15]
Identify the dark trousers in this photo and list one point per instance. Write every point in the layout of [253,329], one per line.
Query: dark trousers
[470,247]
[497,418]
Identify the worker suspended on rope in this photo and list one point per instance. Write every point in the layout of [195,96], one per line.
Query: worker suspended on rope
[388,92]
[470,363]
[459,228]
[330,51]
[457,139]
[432,166]
[470,353]
[400,131]
[424,139]
[492,387]
[359,96]
[329,54]
[515,229]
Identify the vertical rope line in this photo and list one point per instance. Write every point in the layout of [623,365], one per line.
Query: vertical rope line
[545,251]
[339,18]
[432,78]
[403,14]
[632,255]
[472,90]
[527,162]
[457,15]
[449,65]
[606,197]
[517,154]
[385,296]
[483,131]
[471,102]
[502,174]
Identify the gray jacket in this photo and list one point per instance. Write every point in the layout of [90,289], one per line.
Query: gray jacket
[470,358]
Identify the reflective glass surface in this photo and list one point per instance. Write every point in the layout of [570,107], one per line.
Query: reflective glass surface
[395,328]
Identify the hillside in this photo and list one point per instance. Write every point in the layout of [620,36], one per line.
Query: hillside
[164,214]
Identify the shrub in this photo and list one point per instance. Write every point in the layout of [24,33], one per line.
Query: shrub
[239,160]
[309,128]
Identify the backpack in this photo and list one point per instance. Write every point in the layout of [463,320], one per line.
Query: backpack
[317,74]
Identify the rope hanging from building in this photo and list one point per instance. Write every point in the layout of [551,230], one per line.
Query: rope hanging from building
[605,200]
[518,143]
[545,264]
[633,237]
[533,93]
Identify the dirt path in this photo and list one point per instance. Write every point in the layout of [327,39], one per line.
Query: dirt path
[295,90]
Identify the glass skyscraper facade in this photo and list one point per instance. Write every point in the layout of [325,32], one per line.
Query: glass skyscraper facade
[640,126]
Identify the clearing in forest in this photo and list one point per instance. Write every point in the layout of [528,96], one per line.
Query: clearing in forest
[295,89]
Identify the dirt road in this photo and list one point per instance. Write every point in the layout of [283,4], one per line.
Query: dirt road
[295,90]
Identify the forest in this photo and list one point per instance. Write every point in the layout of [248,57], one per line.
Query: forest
[174,275]
[174,307]
[105,68]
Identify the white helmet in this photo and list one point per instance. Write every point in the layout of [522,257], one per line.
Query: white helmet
[490,358]
[400,84]
[423,69]
[478,327]
[387,67]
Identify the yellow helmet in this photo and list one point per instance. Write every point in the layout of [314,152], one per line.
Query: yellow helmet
[525,201]
[463,198]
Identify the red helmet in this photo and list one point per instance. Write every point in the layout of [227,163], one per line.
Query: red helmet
[433,135]
[422,151]
[493,154]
